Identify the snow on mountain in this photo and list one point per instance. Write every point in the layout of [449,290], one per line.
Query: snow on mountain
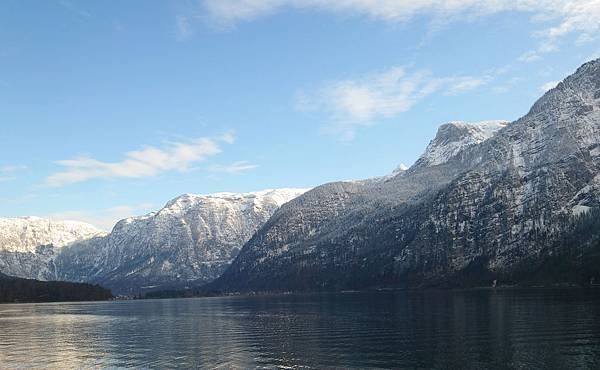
[485,201]
[29,244]
[24,234]
[453,137]
[401,168]
[194,237]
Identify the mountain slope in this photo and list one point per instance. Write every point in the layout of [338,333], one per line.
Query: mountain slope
[193,238]
[454,137]
[28,244]
[469,204]
[24,234]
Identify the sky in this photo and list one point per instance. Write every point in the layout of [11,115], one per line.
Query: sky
[109,109]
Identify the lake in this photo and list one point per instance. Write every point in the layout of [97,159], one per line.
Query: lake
[471,329]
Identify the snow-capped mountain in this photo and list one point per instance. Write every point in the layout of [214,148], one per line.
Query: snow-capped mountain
[24,234]
[28,244]
[484,201]
[453,137]
[193,238]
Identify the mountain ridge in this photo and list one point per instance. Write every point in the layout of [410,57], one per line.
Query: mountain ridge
[484,197]
[194,235]
[192,238]
[492,205]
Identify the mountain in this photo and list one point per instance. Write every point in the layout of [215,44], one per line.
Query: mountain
[13,290]
[456,136]
[481,202]
[29,244]
[192,239]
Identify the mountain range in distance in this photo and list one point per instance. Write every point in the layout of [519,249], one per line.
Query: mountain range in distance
[189,241]
[515,202]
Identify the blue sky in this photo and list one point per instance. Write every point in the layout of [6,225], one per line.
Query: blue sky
[109,108]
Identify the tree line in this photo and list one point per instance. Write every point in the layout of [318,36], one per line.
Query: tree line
[15,290]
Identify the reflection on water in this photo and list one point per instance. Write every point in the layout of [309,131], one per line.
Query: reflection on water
[481,329]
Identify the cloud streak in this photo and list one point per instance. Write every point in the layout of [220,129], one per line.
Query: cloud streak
[150,161]
[351,104]
[9,172]
[557,18]
[235,168]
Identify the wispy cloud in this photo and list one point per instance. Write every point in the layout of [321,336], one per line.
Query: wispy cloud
[556,18]
[9,172]
[361,102]
[233,168]
[150,161]
[548,85]
[530,56]
[75,9]
[547,46]
[459,85]
[228,137]
[104,219]
[184,26]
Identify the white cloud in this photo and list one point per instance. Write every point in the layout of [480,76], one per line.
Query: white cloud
[458,85]
[228,137]
[227,13]
[230,12]
[530,56]
[11,168]
[558,18]
[355,103]
[9,172]
[75,9]
[233,168]
[104,219]
[547,46]
[548,86]
[184,27]
[146,162]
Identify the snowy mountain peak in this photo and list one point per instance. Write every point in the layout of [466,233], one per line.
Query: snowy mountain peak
[276,196]
[455,136]
[24,234]
[401,168]
[192,238]
[580,90]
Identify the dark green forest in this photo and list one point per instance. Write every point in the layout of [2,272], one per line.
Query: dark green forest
[17,290]
[573,258]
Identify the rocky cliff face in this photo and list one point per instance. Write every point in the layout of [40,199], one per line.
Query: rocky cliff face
[28,245]
[455,137]
[193,238]
[477,204]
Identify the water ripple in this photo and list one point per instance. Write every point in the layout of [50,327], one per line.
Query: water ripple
[553,329]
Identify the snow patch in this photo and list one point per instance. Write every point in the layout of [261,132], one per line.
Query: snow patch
[455,136]
[25,234]
[579,210]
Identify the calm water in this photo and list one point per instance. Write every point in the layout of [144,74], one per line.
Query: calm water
[521,329]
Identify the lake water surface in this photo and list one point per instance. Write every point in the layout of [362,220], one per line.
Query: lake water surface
[474,329]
